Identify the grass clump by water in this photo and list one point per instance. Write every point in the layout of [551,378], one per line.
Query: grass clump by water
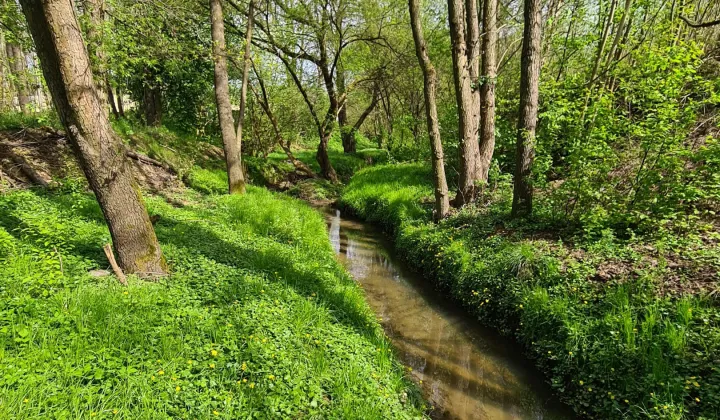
[612,323]
[257,319]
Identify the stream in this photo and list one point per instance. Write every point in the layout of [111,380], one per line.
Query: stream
[465,371]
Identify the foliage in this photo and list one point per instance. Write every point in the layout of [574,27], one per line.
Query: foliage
[256,320]
[617,347]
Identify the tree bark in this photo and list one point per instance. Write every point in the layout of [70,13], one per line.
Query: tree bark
[95,10]
[111,99]
[152,100]
[18,68]
[236,179]
[527,122]
[442,203]
[463,41]
[487,90]
[346,134]
[101,154]
[120,104]
[246,75]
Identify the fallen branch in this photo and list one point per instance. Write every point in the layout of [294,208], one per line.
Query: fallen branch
[27,169]
[149,161]
[111,258]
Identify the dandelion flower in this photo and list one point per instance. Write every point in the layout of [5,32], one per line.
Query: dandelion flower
[252,385]
[212,365]
[213,353]
[177,389]
[216,413]
[161,372]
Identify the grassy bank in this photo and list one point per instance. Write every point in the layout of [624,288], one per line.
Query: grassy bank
[257,320]
[617,326]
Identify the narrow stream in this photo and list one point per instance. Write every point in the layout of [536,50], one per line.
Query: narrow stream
[465,371]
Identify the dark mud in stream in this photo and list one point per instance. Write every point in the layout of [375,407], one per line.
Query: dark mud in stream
[465,370]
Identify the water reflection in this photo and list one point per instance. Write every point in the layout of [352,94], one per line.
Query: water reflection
[467,371]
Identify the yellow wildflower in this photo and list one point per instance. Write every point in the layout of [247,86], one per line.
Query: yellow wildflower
[177,389]
[161,372]
[212,365]
[213,353]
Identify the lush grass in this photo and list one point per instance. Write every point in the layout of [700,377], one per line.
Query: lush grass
[257,319]
[613,346]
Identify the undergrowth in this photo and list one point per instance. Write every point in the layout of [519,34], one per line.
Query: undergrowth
[617,345]
[257,319]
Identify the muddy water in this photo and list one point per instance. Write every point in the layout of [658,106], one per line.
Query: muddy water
[465,371]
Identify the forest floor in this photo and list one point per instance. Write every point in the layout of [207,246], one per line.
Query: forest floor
[256,319]
[622,328]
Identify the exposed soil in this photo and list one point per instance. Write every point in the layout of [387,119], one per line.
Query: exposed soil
[43,156]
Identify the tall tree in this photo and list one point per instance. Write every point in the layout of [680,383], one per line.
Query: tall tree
[18,69]
[66,66]
[442,204]
[464,35]
[527,122]
[247,61]
[236,178]
[487,89]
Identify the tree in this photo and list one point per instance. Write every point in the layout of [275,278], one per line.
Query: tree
[101,154]
[464,35]
[18,69]
[487,87]
[527,122]
[247,61]
[231,144]
[442,205]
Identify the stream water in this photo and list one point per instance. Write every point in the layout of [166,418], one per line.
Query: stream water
[465,371]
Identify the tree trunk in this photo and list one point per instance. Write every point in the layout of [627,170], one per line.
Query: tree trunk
[467,99]
[246,76]
[95,10]
[326,169]
[18,68]
[236,179]
[527,122]
[101,154]
[346,134]
[487,91]
[442,203]
[120,104]
[5,104]
[111,99]
[152,100]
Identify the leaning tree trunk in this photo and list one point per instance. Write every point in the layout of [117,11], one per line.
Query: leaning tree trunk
[67,71]
[326,169]
[246,75]
[464,38]
[487,90]
[442,203]
[236,179]
[529,93]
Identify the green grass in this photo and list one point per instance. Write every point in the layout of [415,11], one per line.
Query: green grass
[257,319]
[613,348]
